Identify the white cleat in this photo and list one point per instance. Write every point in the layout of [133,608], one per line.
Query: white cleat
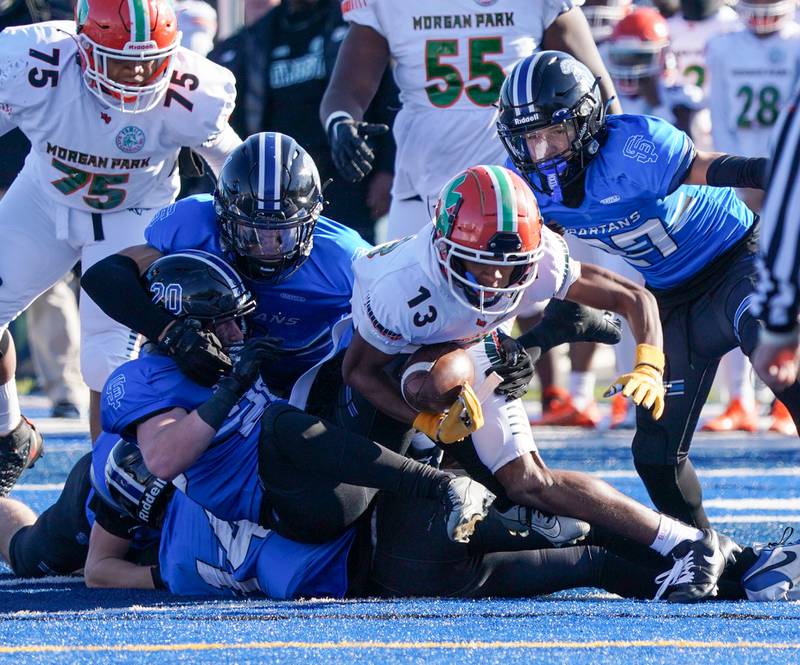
[559,530]
[776,573]
[466,502]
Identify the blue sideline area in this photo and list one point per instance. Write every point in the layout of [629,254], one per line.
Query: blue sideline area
[751,491]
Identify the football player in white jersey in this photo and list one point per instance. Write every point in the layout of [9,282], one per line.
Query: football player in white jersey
[449,58]
[747,94]
[461,280]
[107,102]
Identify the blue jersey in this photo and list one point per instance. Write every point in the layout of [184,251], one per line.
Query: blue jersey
[201,554]
[300,310]
[224,479]
[635,205]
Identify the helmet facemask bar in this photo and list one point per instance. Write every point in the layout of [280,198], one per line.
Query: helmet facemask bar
[127,97]
[630,61]
[269,247]
[486,299]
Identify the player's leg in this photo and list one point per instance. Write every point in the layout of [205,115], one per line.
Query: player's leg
[406,217]
[14,515]
[319,479]
[34,255]
[56,543]
[660,448]
[105,344]
[740,413]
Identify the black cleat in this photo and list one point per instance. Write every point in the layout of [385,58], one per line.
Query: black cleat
[19,450]
[698,566]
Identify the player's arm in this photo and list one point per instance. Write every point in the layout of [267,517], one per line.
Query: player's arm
[598,287]
[216,150]
[360,64]
[171,441]
[363,368]
[570,33]
[115,285]
[719,169]
[106,567]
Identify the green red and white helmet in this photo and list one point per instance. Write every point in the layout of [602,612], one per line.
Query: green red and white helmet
[488,214]
[141,31]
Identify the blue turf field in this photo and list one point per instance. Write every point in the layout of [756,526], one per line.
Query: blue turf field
[751,490]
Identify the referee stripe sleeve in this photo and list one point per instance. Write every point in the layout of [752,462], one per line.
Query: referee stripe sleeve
[777,294]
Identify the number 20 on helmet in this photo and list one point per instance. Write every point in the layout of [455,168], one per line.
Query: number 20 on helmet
[488,215]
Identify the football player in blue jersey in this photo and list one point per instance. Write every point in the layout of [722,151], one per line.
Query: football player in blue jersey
[293,472]
[202,555]
[636,186]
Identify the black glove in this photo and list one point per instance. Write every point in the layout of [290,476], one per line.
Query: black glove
[517,368]
[214,411]
[197,353]
[351,153]
[566,322]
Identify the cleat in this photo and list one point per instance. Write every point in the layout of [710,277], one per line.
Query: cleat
[735,418]
[466,502]
[568,322]
[622,415]
[781,422]
[776,573]
[559,530]
[698,566]
[563,413]
[65,409]
[19,450]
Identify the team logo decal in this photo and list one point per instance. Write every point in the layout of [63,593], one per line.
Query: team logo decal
[82,11]
[130,139]
[451,199]
[115,391]
[639,148]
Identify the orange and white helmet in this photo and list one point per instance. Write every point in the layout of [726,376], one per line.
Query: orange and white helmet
[638,49]
[767,16]
[487,214]
[139,31]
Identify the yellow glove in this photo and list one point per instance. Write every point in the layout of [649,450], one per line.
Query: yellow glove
[458,422]
[645,384]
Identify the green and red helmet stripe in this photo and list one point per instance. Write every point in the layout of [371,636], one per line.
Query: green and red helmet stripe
[139,11]
[505,197]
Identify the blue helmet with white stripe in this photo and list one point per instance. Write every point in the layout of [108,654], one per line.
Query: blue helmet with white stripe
[132,487]
[551,119]
[268,199]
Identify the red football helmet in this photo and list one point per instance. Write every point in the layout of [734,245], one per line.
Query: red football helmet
[638,49]
[766,16]
[488,215]
[141,32]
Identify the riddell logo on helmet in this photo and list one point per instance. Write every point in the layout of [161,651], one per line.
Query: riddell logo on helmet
[526,118]
[150,498]
[140,46]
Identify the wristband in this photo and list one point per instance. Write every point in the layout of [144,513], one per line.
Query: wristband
[158,581]
[333,117]
[652,356]
[216,408]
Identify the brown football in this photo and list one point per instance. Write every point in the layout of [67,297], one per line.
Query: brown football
[432,377]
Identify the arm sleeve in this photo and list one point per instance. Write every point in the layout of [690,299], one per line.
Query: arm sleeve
[776,300]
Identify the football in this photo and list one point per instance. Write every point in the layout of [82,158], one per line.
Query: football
[432,377]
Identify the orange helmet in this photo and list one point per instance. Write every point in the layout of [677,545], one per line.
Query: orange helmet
[487,214]
[137,31]
[638,49]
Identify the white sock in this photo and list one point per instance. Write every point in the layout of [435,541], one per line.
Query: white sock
[10,414]
[581,388]
[671,532]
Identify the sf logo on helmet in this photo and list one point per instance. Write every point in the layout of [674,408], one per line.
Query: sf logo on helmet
[451,202]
